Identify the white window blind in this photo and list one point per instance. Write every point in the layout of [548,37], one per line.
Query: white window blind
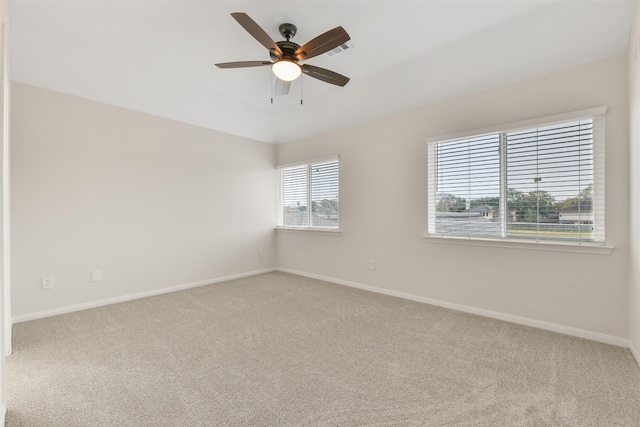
[309,195]
[540,183]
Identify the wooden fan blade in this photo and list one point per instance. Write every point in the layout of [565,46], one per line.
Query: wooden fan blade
[282,87]
[321,44]
[243,64]
[257,32]
[327,76]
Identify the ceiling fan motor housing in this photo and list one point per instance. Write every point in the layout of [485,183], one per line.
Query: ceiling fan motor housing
[288,49]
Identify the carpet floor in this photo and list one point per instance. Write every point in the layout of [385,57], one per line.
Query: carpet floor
[284,350]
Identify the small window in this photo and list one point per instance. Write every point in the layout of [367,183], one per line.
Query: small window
[308,196]
[539,183]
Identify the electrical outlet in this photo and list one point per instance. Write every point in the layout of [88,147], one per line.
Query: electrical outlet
[96,276]
[47,282]
[260,253]
[372,264]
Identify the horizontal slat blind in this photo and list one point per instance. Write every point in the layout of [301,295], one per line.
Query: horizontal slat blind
[294,193]
[309,195]
[542,183]
[598,179]
[324,194]
[467,191]
[550,182]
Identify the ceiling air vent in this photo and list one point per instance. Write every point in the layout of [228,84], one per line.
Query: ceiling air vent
[340,49]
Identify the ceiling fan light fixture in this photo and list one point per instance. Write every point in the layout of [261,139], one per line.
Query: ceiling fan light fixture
[286,70]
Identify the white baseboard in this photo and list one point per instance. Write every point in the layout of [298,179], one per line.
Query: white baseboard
[634,351]
[567,330]
[129,297]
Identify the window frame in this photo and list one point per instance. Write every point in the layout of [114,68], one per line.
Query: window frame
[565,246]
[309,196]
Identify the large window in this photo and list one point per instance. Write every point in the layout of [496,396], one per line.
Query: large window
[540,182]
[308,195]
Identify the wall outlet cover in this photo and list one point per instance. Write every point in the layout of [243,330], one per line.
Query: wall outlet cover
[47,282]
[96,276]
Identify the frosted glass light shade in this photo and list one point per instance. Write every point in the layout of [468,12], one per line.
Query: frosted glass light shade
[286,70]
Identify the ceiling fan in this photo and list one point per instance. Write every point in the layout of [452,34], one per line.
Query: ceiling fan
[287,55]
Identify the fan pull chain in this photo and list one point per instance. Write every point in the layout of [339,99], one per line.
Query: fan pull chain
[271,86]
[301,79]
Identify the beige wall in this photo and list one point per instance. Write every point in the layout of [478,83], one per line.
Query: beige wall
[383,199]
[634,258]
[150,202]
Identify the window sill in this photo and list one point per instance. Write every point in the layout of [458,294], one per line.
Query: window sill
[584,248]
[327,231]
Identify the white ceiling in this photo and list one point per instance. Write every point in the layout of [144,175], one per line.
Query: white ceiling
[158,56]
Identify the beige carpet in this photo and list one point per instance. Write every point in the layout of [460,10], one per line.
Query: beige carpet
[283,350]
